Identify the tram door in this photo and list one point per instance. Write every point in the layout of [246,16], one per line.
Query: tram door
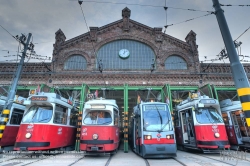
[240,119]
[184,127]
[236,121]
[187,127]
[138,135]
[137,132]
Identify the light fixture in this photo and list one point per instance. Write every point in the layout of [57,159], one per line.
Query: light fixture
[95,136]
[27,135]
[217,135]
[170,136]
[147,137]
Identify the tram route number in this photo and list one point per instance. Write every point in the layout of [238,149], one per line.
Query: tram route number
[39,98]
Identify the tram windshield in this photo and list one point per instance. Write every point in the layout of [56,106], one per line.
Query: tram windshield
[208,115]
[156,118]
[38,114]
[97,118]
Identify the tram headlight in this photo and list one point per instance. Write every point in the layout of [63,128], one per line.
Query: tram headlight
[27,135]
[217,135]
[147,137]
[95,136]
[170,136]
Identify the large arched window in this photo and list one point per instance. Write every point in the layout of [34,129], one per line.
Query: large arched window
[175,62]
[75,62]
[125,54]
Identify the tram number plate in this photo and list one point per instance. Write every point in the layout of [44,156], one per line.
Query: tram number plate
[94,148]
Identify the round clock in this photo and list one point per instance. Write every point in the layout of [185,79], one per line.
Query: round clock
[124,53]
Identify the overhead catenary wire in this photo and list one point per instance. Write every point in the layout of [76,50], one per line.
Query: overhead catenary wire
[154,60]
[189,20]
[100,65]
[228,5]
[242,33]
[144,5]
[8,32]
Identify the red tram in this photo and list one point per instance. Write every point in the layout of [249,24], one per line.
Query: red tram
[151,131]
[237,130]
[199,125]
[49,123]
[100,131]
[8,136]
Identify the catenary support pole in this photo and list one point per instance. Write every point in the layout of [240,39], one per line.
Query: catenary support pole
[4,116]
[239,74]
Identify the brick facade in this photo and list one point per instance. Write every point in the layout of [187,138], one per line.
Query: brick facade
[89,43]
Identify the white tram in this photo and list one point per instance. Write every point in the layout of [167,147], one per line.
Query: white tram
[199,124]
[151,131]
[49,123]
[100,132]
[9,129]
[237,130]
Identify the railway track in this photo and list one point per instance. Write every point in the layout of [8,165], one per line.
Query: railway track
[121,158]
[23,159]
[209,159]
[168,161]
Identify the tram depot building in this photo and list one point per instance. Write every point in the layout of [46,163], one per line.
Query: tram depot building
[123,60]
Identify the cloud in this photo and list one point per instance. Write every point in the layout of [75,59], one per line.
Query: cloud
[43,18]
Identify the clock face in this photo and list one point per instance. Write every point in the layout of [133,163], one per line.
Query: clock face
[124,53]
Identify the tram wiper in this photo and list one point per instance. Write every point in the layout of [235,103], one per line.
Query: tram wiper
[34,114]
[165,125]
[159,117]
[43,119]
[105,123]
[209,118]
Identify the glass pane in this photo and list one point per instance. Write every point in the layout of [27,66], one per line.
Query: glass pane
[97,118]
[208,115]
[156,117]
[16,116]
[75,62]
[137,55]
[175,62]
[38,114]
[60,116]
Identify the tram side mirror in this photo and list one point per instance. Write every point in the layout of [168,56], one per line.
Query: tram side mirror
[27,102]
[136,115]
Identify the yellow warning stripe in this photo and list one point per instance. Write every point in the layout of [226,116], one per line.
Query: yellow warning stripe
[6,111]
[1,135]
[248,121]
[2,127]
[245,106]
[243,91]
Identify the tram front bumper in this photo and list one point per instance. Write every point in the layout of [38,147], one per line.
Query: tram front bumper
[159,150]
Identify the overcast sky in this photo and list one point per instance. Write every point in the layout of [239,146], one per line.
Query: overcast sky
[43,18]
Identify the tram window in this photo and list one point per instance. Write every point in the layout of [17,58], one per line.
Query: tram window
[73,118]
[225,118]
[184,122]
[176,119]
[115,117]
[98,118]
[208,115]
[40,114]
[60,115]
[156,117]
[16,116]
